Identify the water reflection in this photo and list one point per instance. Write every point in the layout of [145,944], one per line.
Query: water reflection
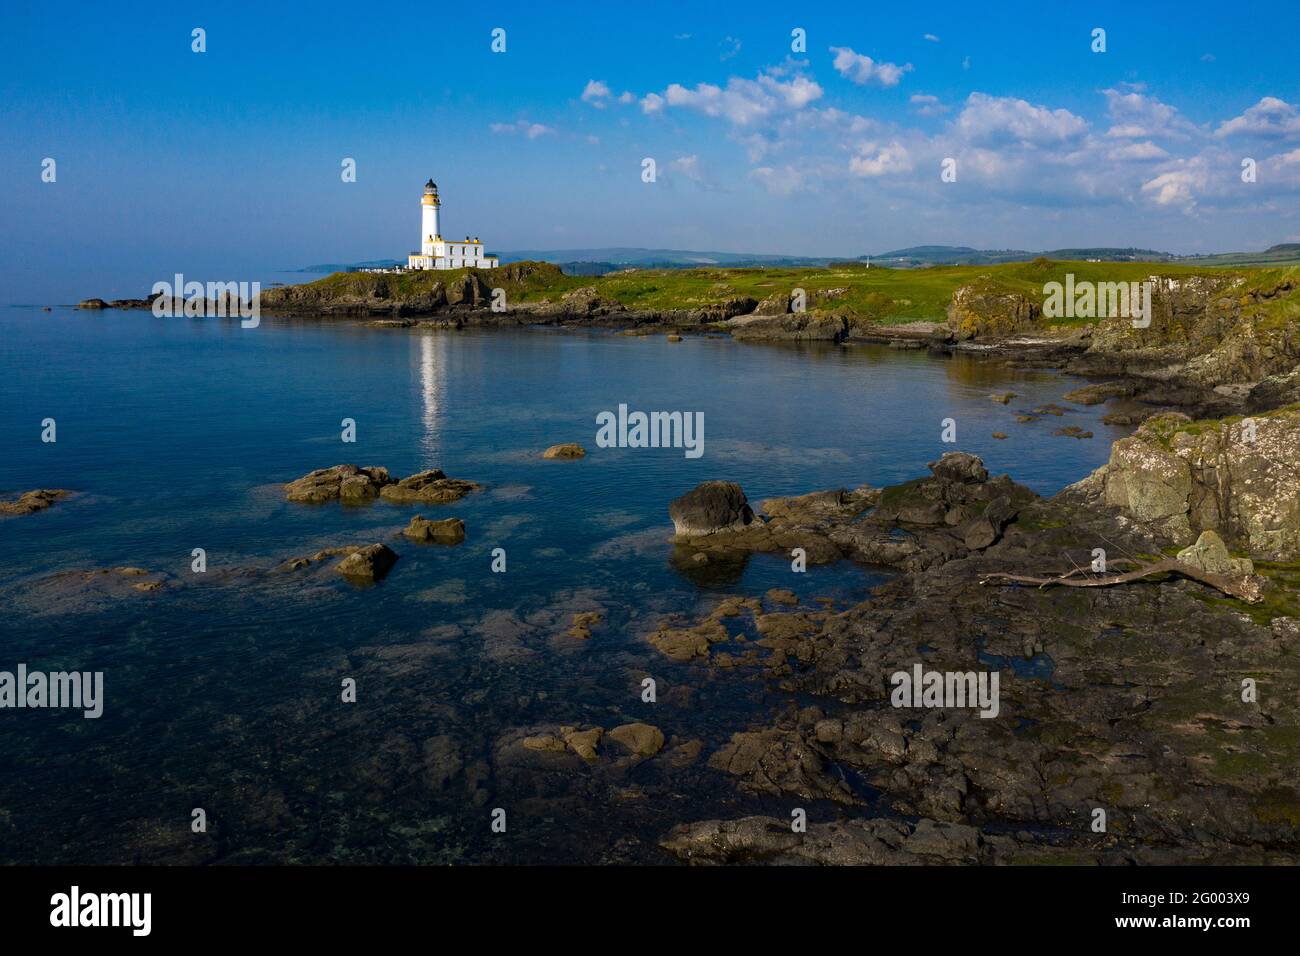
[432,353]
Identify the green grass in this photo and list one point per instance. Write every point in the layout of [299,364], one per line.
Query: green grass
[872,295]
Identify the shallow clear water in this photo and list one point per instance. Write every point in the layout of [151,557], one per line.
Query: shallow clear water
[223,691]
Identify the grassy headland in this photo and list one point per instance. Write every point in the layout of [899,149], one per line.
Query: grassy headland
[874,295]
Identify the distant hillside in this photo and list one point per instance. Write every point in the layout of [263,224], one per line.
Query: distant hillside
[602,261]
[1285,254]
[966,256]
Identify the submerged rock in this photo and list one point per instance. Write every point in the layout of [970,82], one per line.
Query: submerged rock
[582,623]
[643,740]
[1099,392]
[1072,431]
[32,501]
[567,450]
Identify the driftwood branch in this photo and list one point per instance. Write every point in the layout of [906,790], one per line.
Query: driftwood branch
[1245,587]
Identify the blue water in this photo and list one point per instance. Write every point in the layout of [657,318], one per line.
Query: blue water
[223,689]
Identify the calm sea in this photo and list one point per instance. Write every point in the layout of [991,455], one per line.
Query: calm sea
[223,692]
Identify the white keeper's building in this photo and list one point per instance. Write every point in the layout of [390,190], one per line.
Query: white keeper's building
[438,253]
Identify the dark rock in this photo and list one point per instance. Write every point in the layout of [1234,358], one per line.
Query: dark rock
[371,563]
[711,507]
[959,466]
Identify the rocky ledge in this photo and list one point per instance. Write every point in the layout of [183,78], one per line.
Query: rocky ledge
[1157,703]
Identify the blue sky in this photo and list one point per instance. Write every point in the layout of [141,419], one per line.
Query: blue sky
[226,164]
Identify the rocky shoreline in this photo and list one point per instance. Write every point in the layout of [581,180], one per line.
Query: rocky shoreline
[1124,699]
[1159,703]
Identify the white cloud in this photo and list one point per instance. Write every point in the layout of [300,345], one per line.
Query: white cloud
[730,47]
[1141,152]
[779,182]
[931,37]
[741,102]
[1135,115]
[690,167]
[626,97]
[595,93]
[861,69]
[927,105]
[987,118]
[876,160]
[1175,188]
[1269,117]
[531,130]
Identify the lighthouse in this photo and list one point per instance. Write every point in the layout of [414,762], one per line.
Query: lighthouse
[438,253]
[429,233]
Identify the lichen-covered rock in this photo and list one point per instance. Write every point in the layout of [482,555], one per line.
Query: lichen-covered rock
[1209,553]
[1237,477]
[983,309]
[711,507]
[778,303]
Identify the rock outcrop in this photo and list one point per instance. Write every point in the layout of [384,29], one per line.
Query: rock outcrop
[446,531]
[813,326]
[983,309]
[709,508]
[370,563]
[1237,477]
[643,740]
[568,450]
[428,487]
[30,502]
[345,482]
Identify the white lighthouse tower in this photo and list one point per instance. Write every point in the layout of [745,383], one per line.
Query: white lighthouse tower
[429,233]
[435,252]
